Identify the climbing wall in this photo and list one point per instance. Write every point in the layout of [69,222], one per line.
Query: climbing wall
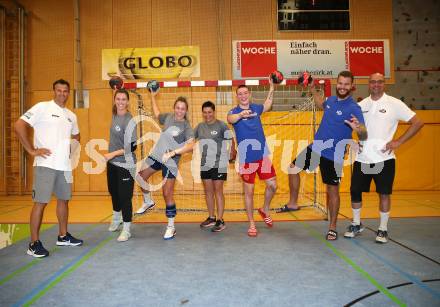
[417,48]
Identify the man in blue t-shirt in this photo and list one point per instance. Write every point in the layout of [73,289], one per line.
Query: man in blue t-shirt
[253,152]
[342,115]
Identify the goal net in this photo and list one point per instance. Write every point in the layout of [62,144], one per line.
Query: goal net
[289,128]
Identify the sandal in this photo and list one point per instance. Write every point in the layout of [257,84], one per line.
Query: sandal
[285,208]
[332,235]
[252,231]
[266,218]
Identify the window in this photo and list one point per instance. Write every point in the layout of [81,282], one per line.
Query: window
[313,15]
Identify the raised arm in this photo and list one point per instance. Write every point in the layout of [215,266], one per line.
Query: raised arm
[269,100]
[154,106]
[318,97]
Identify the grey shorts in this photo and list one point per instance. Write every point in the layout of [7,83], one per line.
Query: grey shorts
[48,181]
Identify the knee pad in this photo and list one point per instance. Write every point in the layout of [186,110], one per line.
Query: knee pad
[170,211]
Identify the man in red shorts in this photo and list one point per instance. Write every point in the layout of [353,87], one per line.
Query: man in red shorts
[253,152]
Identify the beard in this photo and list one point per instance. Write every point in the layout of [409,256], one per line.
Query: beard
[342,96]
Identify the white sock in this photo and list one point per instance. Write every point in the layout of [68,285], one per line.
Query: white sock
[126,226]
[171,221]
[147,198]
[384,216]
[117,216]
[356,216]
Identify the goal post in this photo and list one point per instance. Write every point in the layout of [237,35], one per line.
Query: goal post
[289,127]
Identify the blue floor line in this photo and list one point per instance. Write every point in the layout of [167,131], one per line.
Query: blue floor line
[408,276]
[36,260]
[54,276]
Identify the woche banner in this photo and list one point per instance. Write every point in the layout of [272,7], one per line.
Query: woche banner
[151,63]
[322,58]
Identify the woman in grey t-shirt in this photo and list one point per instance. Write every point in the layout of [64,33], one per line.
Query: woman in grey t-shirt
[217,148]
[176,138]
[120,181]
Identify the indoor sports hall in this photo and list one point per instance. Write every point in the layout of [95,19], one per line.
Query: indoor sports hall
[206,50]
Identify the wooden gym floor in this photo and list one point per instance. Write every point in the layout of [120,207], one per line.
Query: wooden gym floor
[97,209]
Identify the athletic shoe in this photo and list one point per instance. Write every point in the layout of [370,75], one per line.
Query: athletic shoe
[219,226]
[124,236]
[69,240]
[382,236]
[145,207]
[114,225]
[36,249]
[170,233]
[353,230]
[209,222]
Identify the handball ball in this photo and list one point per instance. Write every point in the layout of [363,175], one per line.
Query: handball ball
[116,82]
[277,77]
[305,78]
[153,86]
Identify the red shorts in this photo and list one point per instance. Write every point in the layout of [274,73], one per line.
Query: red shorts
[263,168]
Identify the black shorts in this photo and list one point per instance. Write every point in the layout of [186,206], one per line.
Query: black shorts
[331,172]
[382,173]
[213,174]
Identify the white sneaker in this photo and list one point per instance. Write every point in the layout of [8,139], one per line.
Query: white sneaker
[170,232]
[145,207]
[114,225]
[382,236]
[124,236]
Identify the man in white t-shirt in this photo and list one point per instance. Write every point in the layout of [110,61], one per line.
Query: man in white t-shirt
[376,159]
[54,126]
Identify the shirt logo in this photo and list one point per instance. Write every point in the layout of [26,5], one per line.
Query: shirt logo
[214,132]
[174,131]
[117,128]
[339,112]
[54,115]
[69,120]
[382,111]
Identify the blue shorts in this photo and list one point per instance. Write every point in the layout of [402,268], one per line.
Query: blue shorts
[167,172]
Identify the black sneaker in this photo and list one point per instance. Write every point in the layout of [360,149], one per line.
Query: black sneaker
[353,230]
[209,222]
[382,236]
[36,249]
[219,226]
[69,240]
